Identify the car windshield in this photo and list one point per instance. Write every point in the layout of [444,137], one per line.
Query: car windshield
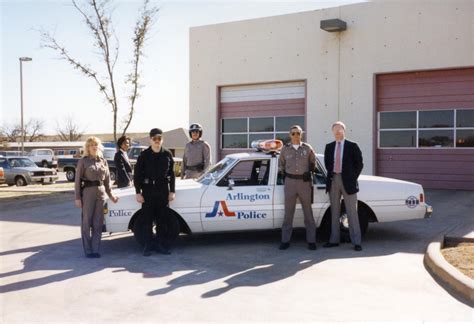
[21,162]
[216,171]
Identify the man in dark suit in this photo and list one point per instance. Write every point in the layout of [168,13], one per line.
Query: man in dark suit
[343,161]
[122,163]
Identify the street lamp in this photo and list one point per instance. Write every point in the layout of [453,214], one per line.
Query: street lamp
[22,59]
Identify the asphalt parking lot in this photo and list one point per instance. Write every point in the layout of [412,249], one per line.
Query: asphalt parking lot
[224,277]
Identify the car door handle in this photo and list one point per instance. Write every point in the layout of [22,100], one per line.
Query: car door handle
[262,189]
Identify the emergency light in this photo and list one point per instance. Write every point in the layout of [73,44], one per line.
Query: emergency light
[267,146]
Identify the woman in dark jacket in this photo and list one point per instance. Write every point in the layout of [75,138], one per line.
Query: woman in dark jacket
[122,163]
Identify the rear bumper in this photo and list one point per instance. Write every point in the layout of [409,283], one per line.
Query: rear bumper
[428,211]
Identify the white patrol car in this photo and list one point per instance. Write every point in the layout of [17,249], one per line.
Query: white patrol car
[244,192]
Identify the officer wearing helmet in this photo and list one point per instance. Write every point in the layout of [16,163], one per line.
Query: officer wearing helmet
[197,154]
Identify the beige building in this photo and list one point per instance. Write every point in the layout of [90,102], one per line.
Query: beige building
[401,76]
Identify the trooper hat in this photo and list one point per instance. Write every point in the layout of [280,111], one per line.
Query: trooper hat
[156,131]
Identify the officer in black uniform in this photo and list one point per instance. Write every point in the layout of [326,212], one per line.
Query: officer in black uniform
[154,182]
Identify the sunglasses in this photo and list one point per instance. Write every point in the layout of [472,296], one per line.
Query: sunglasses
[295,133]
[156,138]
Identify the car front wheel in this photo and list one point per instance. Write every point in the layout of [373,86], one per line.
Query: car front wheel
[20,182]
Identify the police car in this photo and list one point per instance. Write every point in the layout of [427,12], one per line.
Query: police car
[245,192]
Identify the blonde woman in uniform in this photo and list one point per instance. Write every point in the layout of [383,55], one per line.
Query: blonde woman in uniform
[91,186]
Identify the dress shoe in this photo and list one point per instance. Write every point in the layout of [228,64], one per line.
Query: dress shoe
[89,255]
[312,246]
[95,255]
[284,246]
[358,248]
[330,245]
[146,251]
[163,250]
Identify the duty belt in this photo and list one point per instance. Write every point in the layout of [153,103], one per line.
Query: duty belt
[155,181]
[90,183]
[295,176]
[198,167]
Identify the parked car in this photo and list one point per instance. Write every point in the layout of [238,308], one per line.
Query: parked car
[44,158]
[244,192]
[21,171]
[68,165]
[2,176]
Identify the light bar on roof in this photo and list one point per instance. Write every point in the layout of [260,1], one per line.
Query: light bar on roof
[267,146]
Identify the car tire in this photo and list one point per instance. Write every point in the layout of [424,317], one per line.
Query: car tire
[113,176]
[44,164]
[70,175]
[20,181]
[324,230]
[139,227]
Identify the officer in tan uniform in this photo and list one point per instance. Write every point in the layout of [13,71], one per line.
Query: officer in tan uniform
[297,162]
[91,185]
[197,154]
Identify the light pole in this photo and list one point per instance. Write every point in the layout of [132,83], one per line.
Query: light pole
[22,59]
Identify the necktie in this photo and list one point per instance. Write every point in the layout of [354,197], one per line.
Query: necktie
[337,165]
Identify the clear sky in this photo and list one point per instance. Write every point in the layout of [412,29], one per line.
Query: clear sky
[53,90]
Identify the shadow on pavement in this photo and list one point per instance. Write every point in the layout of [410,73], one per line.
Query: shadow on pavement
[239,259]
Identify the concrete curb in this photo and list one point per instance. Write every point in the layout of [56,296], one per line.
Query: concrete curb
[447,273]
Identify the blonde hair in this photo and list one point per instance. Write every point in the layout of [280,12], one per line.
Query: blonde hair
[90,141]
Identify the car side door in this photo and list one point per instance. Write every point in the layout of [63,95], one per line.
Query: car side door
[241,199]
[319,205]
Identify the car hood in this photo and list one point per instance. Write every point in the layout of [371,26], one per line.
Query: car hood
[381,188]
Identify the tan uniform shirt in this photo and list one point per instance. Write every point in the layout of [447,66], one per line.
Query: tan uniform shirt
[93,169]
[195,153]
[299,161]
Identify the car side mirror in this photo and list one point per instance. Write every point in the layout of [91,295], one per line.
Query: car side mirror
[231,184]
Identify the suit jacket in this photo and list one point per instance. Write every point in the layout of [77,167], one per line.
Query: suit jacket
[124,169]
[352,165]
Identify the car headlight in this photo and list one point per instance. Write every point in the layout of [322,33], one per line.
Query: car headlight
[30,174]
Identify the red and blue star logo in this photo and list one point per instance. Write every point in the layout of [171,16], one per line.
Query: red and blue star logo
[225,211]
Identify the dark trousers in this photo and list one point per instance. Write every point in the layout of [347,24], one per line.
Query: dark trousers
[155,212]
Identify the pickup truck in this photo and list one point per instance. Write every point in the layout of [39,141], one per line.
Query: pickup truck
[44,158]
[68,165]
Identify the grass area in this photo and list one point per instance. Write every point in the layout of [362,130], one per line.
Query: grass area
[462,257]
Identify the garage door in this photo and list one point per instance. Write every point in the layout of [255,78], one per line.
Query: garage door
[263,111]
[425,127]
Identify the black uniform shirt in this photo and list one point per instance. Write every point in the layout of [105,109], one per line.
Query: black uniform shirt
[156,166]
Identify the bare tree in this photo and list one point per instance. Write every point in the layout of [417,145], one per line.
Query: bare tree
[68,130]
[98,19]
[34,131]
